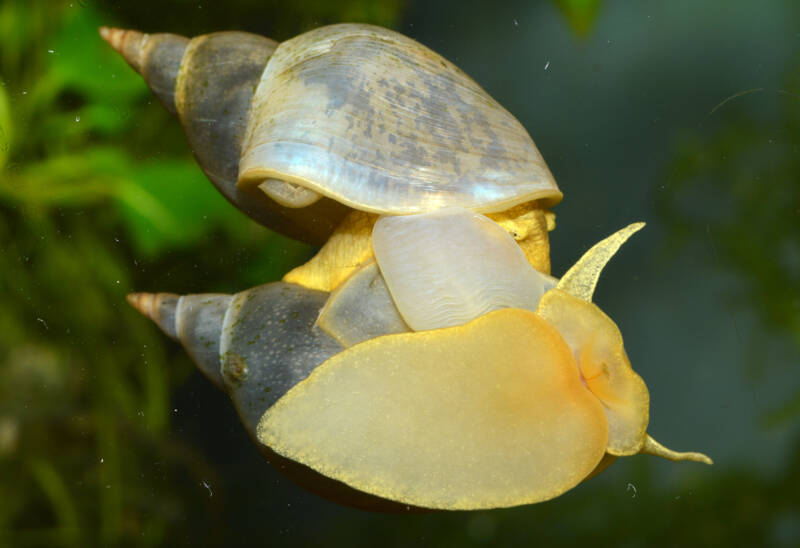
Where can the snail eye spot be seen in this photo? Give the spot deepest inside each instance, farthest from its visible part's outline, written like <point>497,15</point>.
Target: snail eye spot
<point>602,370</point>
<point>604,367</point>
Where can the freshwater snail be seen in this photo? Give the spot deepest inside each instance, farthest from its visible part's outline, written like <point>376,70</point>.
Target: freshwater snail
<point>424,357</point>
<point>344,118</point>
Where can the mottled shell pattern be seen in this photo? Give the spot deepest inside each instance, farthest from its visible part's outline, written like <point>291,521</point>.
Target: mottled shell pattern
<point>381,123</point>
<point>359,114</point>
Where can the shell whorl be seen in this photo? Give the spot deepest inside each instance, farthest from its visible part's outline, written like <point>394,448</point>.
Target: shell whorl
<point>208,82</point>
<point>193,320</point>
<point>128,43</point>
<point>157,57</point>
<point>159,307</point>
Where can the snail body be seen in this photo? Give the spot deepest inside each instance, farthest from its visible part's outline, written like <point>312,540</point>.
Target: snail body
<point>548,390</point>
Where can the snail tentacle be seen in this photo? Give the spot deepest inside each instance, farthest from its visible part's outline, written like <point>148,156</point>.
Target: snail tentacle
<point>652,447</point>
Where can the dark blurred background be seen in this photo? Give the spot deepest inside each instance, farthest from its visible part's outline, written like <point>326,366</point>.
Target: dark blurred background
<point>682,114</point>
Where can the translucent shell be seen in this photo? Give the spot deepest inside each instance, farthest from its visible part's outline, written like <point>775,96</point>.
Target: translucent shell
<point>361,309</point>
<point>455,418</point>
<point>450,266</point>
<point>379,122</point>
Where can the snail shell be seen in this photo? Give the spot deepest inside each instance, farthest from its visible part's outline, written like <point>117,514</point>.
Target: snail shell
<point>360,115</point>
<point>208,82</point>
<point>255,346</point>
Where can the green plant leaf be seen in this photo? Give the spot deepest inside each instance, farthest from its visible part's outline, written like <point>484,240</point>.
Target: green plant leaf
<point>82,62</point>
<point>171,203</point>
<point>5,127</point>
<point>581,15</point>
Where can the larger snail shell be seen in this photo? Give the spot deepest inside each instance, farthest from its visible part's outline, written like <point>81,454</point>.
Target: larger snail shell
<point>208,82</point>
<point>359,114</point>
<point>378,121</point>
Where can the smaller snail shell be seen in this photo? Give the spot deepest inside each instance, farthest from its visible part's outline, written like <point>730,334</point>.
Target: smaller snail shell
<point>269,344</point>
<point>255,345</point>
<point>198,325</point>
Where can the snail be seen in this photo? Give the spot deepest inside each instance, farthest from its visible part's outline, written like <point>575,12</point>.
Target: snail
<point>468,411</point>
<point>317,136</point>
<point>424,358</point>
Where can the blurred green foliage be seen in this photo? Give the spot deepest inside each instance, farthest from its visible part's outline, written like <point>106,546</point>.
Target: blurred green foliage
<point>580,15</point>
<point>6,135</point>
<point>748,167</point>
<point>277,19</point>
<point>99,196</point>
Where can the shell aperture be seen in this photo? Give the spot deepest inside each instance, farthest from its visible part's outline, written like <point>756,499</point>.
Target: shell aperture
<point>450,266</point>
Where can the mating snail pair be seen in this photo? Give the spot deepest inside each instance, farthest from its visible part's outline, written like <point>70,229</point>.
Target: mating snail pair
<point>424,357</point>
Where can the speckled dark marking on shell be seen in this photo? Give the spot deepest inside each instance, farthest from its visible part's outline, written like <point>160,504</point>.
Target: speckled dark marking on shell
<point>401,130</point>
<point>270,330</point>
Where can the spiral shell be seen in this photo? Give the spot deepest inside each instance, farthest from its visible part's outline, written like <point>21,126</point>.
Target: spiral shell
<point>345,115</point>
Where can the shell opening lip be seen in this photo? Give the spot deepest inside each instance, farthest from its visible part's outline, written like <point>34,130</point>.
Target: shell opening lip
<point>256,178</point>
<point>289,194</point>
